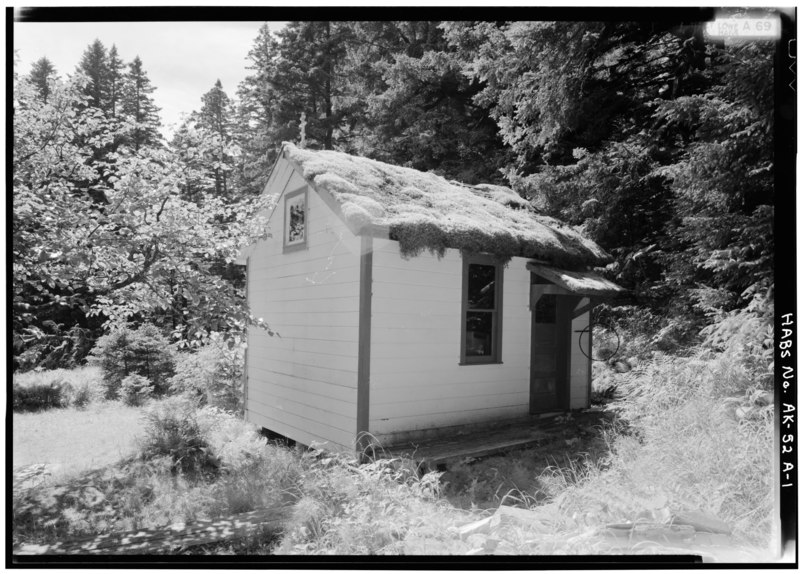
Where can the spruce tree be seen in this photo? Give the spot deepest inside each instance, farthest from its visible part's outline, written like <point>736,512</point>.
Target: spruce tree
<point>255,129</point>
<point>310,79</point>
<point>94,63</point>
<point>216,116</point>
<point>42,74</point>
<point>116,69</point>
<point>138,106</point>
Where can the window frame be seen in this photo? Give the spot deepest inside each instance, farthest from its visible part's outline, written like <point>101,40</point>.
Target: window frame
<point>299,245</point>
<point>497,313</point>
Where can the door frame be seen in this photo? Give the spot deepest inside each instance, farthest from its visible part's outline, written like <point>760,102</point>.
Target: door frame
<point>566,302</point>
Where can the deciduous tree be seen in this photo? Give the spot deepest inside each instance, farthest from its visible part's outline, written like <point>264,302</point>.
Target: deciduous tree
<point>129,258</point>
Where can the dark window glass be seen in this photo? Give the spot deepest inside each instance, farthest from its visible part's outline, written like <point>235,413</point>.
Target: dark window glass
<point>479,333</point>
<point>480,286</point>
<point>481,308</point>
<point>546,309</point>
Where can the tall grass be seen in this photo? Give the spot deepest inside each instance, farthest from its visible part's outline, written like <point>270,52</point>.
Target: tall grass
<point>682,448</point>
<point>693,432</point>
<point>63,387</point>
<point>382,507</point>
<point>154,488</point>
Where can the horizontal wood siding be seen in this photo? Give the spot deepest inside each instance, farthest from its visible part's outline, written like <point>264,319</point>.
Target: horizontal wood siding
<point>416,380</point>
<point>277,183</point>
<point>302,383</point>
<point>580,365</point>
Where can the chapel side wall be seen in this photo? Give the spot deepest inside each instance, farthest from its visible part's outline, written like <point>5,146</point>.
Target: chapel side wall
<point>303,383</point>
<point>416,382</point>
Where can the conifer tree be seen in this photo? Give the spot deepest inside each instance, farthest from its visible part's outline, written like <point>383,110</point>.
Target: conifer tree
<point>116,69</point>
<point>310,79</point>
<point>42,74</point>
<point>94,63</point>
<point>216,117</point>
<point>138,106</point>
<point>255,127</point>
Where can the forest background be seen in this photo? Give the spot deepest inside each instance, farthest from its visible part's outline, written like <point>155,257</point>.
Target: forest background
<point>655,140</point>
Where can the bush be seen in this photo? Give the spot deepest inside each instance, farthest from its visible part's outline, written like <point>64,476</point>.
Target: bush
<point>40,395</point>
<point>135,390</point>
<point>694,433</point>
<point>78,387</point>
<point>82,394</point>
<point>253,473</point>
<point>51,346</point>
<point>212,376</point>
<point>143,351</point>
<point>172,430</point>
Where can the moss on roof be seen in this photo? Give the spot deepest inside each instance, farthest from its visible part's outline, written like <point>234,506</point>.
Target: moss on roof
<point>426,211</point>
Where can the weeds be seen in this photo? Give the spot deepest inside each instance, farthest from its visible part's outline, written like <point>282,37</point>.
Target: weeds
<point>192,465</point>
<point>39,396</point>
<point>382,507</point>
<point>58,388</point>
<point>172,431</point>
<point>682,450</point>
<point>211,375</point>
<point>688,433</point>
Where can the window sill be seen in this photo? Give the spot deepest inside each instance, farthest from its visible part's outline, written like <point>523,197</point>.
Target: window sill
<point>463,364</point>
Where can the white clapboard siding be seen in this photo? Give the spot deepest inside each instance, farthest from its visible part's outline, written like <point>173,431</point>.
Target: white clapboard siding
<point>302,383</point>
<point>416,381</point>
<point>339,382</point>
<point>580,367</point>
<point>335,320</point>
<point>304,430</point>
<point>448,404</point>
<point>448,418</point>
<point>276,184</point>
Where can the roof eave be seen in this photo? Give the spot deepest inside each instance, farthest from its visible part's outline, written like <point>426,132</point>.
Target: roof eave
<point>578,282</point>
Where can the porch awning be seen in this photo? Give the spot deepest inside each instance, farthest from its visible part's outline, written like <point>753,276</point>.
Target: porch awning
<point>579,282</point>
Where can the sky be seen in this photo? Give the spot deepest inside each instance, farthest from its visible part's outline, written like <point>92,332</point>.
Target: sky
<point>182,59</point>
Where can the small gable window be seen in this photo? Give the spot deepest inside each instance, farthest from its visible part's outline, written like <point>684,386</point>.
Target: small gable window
<point>295,220</point>
<point>481,310</point>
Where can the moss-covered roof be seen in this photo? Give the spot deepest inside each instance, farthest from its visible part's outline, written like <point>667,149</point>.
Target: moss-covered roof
<point>426,211</point>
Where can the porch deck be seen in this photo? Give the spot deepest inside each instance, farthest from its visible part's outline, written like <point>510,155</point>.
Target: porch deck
<point>478,440</point>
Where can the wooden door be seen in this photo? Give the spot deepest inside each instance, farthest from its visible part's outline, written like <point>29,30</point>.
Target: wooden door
<point>550,352</point>
<point>544,363</point>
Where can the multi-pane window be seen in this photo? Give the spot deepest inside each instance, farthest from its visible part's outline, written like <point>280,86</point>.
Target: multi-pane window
<point>481,310</point>
<point>295,221</point>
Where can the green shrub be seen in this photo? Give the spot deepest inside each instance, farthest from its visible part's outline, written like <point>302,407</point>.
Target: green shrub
<point>78,387</point>
<point>211,375</point>
<point>135,390</point>
<point>39,395</point>
<point>253,473</point>
<point>52,346</point>
<point>172,430</point>
<point>82,394</point>
<point>143,351</point>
